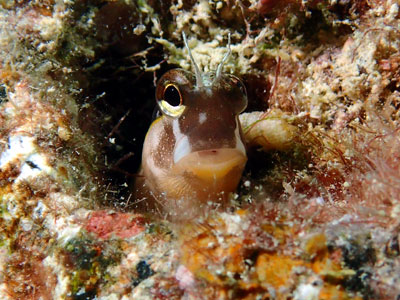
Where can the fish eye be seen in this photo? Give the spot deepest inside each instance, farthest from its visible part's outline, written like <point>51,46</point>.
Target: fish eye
<point>172,95</point>
<point>171,102</point>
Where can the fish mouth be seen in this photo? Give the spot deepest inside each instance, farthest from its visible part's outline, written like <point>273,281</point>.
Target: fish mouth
<point>212,164</point>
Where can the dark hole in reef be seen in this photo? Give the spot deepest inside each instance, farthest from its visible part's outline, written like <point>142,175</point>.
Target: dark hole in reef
<point>3,93</point>
<point>393,86</point>
<point>392,248</point>
<point>258,163</point>
<point>316,28</point>
<point>143,272</point>
<point>359,283</point>
<point>117,98</point>
<point>121,104</point>
<point>80,254</point>
<point>32,164</point>
<point>89,295</point>
<point>356,255</point>
<point>348,9</point>
<point>359,256</point>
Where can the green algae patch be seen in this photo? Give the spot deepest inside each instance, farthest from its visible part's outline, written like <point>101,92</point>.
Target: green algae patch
<point>87,262</point>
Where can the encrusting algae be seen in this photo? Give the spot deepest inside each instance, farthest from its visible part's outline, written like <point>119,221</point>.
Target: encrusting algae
<point>316,213</point>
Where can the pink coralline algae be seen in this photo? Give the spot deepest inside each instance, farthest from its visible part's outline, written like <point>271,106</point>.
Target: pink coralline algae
<point>123,225</point>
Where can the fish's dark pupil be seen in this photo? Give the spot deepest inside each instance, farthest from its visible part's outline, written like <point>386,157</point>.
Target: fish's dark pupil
<point>172,96</point>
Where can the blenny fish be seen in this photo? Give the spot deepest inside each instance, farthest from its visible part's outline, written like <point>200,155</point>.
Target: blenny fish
<point>193,154</point>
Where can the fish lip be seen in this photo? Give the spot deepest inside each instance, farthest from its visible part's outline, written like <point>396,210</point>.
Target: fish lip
<point>211,164</point>
<point>183,148</point>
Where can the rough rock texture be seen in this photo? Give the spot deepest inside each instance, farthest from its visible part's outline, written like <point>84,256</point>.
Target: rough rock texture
<point>316,215</point>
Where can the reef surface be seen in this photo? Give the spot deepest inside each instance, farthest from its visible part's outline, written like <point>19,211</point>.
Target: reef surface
<point>316,215</point>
